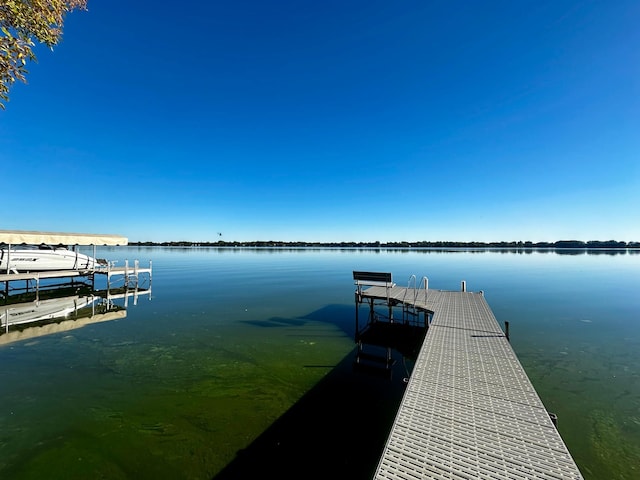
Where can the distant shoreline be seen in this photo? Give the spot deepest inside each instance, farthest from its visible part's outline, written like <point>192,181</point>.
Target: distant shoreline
<point>558,245</point>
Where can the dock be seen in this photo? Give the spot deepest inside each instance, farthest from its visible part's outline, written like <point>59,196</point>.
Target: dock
<point>109,271</point>
<point>469,410</point>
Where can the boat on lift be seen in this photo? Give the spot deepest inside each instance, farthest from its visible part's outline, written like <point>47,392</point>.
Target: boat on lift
<point>45,258</point>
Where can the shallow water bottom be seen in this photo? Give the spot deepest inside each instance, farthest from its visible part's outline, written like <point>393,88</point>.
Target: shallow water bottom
<point>211,397</point>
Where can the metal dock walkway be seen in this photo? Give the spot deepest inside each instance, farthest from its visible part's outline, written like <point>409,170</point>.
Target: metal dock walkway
<point>469,410</point>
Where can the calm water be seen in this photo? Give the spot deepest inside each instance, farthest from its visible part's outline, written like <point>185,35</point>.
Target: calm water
<point>240,363</point>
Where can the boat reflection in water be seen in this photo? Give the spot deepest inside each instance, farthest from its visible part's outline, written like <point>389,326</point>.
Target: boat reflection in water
<point>63,309</point>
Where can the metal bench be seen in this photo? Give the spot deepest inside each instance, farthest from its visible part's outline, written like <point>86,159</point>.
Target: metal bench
<point>373,279</point>
<point>379,279</point>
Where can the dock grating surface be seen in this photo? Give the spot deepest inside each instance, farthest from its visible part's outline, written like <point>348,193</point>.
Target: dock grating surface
<point>469,411</point>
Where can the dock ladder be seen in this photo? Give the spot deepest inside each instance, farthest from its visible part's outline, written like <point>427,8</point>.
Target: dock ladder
<point>410,311</point>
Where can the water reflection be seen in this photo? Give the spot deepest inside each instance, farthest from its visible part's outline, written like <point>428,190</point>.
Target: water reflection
<point>599,248</point>
<point>68,307</point>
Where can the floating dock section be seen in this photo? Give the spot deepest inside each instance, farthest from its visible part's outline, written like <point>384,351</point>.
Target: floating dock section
<point>469,410</point>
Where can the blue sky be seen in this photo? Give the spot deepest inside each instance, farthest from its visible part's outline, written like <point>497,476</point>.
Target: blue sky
<point>331,121</point>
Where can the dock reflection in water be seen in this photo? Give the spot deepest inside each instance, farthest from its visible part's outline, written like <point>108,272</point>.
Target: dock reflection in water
<point>65,308</point>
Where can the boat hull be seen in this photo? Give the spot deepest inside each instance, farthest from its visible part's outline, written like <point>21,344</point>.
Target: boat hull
<point>27,260</point>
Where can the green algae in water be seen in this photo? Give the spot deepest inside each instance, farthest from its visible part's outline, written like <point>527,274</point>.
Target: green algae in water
<point>601,370</point>
<point>178,410</point>
<point>614,448</point>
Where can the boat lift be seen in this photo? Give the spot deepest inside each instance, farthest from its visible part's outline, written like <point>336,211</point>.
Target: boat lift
<point>20,237</point>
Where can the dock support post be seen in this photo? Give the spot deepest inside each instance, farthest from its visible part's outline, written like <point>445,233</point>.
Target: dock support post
<point>506,331</point>
<point>463,286</point>
<point>357,320</point>
<point>8,261</point>
<point>371,311</point>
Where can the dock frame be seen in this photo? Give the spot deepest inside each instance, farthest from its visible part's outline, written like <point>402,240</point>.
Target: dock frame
<point>129,274</point>
<point>469,410</point>
<point>386,329</point>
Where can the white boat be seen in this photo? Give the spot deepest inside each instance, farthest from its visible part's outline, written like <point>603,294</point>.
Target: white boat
<point>45,258</point>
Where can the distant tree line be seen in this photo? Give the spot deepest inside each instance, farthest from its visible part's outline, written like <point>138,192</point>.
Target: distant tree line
<point>560,244</point>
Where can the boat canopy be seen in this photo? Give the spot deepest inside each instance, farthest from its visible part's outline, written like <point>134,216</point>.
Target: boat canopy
<point>18,237</point>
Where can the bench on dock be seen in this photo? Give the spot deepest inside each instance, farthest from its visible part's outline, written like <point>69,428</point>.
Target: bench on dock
<point>377,279</point>
<point>373,279</point>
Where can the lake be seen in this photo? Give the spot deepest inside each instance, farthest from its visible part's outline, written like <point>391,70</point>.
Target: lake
<point>239,363</point>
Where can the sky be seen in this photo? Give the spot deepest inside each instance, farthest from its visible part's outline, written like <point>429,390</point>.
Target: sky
<point>331,121</point>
